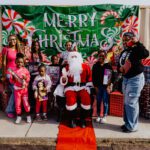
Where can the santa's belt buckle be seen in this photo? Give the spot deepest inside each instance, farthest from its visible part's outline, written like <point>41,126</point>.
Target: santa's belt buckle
<point>77,83</point>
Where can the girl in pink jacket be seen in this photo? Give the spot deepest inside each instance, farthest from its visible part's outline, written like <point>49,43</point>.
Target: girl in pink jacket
<point>20,77</point>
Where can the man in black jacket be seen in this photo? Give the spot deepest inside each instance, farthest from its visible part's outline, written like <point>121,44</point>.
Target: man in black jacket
<point>133,79</point>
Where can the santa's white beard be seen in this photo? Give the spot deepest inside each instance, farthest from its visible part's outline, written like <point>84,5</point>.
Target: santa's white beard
<point>75,69</point>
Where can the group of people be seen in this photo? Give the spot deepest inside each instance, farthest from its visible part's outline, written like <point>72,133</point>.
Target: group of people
<point>19,79</point>
<point>78,82</point>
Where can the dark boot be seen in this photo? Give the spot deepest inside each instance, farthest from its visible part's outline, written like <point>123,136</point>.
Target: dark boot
<point>72,122</point>
<point>83,123</point>
<point>59,118</point>
<point>84,115</point>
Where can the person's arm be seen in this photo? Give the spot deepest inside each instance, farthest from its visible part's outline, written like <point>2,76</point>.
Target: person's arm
<point>142,52</point>
<point>111,79</point>
<point>4,63</point>
<point>94,76</point>
<point>27,77</point>
<point>89,76</point>
<point>120,68</point>
<point>45,60</point>
<point>49,84</point>
<point>34,85</point>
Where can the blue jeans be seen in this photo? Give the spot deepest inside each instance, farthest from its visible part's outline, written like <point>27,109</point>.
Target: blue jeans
<point>132,89</point>
<point>11,103</point>
<point>102,96</point>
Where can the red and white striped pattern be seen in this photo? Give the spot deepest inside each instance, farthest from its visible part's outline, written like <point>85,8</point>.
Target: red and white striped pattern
<point>108,13</point>
<point>27,28</point>
<point>91,60</point>
<point>12,20</point>
<point>130,25</point>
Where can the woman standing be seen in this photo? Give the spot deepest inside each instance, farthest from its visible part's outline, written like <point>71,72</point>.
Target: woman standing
<point>36,58</point>
<point>8,62</point>
<point>133,79</point>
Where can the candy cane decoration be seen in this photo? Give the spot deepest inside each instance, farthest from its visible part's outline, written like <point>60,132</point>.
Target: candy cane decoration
<point>91,60</point>
<point>124,7</point>
<point>106,44</point>
<point>4,37</point>
<point>108,13</point>
<point>27,28</point>
<point>130,25</point>
<point>12,20</point>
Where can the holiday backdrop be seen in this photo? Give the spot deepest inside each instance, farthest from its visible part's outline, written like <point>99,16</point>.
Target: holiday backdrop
<point>90,27</point>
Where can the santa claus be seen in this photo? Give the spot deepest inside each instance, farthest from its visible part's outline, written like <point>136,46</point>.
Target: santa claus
<point>77,78</point>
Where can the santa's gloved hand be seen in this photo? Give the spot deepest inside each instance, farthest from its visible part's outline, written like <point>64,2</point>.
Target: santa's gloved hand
<point>89,86</point>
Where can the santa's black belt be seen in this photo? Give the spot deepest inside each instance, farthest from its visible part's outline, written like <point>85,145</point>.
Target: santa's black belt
<point>76,84</point>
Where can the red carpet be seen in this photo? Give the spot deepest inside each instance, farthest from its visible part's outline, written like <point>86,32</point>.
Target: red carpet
<point>76,138</point>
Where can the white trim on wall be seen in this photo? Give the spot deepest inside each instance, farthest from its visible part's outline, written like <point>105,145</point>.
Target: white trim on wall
<point>73,2</point>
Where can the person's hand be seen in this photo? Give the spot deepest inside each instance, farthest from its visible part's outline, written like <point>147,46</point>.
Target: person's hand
<point>109,89</point>
<point>126,66</point>
<point>45,89</point>
<point>96,90</point>
<point>3,78</point>
<point>135,39</point>
<point>23,84</point>
<point>64,79</point>
<point>75,48</point>
<point>65,62</point>
<point>24,77</point>
<point>122,70</point>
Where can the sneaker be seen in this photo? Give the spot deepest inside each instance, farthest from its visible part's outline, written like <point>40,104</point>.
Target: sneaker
<point>18,120</point>
<point>29,119</point>
<point>98,119</point>
<point>103,120</point>
<point>45,117</point>
<point>38,118</point>
<point>9,115</point>
<point>123,127</point>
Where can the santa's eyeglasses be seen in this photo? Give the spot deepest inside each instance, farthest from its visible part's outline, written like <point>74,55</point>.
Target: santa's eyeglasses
<point>73,56</point>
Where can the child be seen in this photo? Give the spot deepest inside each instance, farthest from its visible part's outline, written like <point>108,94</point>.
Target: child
<point>102,78</point>
<point>41,85</point>
<point>20,77</point>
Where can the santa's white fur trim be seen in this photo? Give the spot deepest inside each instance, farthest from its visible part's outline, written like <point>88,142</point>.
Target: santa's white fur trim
<point>86,107</point>
<point>76,88</point>
<point>64,72</point>
<point>61,82</point>
<point>71,107</point>
<point>89,84</point>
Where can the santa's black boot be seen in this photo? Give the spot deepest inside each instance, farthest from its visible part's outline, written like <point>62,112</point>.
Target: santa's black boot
<point>59,118</point>
<point>72,122</point>
<point>84,115</point>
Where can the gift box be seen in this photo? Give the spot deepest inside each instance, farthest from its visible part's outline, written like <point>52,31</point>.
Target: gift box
<point>116,104</point>
<point>145,101</point>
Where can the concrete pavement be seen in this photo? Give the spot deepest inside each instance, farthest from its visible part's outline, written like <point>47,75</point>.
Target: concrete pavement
<point>43,135</point>
<point>50,128</point>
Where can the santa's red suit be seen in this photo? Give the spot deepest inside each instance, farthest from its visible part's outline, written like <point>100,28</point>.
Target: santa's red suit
<point>74,90</point>
<point>77,78</point>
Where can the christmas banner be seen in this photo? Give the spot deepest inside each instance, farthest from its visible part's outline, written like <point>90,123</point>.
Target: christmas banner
<point>90,27</point>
